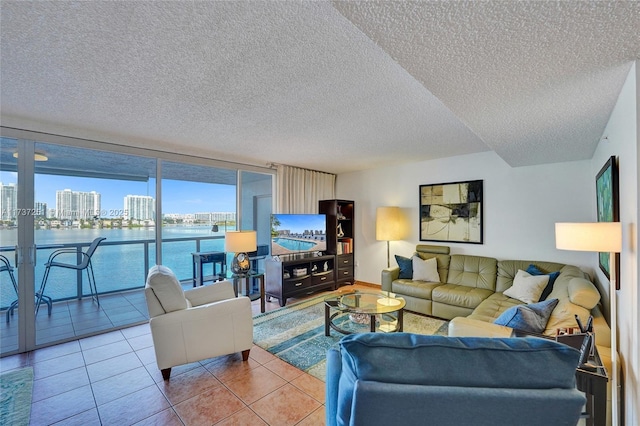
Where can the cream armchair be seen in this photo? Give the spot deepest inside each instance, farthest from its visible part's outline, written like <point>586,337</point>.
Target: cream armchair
<point>189,326</point>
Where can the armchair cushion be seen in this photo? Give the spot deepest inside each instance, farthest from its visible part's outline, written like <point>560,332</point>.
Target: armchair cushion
<point>221,290</point>
<point>166,288</point>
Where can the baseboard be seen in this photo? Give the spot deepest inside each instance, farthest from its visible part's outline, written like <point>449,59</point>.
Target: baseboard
<point>366,284</point>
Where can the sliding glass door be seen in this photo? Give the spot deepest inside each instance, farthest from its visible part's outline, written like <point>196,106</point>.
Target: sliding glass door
<point>9,274</point>
<point>57,198</point>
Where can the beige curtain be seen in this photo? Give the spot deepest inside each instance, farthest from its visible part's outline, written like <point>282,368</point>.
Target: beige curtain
<point>299,190</point>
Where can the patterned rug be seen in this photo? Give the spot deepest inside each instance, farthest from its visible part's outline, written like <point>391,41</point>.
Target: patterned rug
<point>295,333</point>
<point>15,396</point>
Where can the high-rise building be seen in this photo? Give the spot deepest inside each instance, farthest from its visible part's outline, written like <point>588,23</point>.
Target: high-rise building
<point>139,207</point>
<point>40,209</point>
<point>8,201</point>
<point>74,205</point>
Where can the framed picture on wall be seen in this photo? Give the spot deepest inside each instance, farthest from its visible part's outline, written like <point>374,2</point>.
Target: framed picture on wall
<point>451,212</point>
<point>607,202</point>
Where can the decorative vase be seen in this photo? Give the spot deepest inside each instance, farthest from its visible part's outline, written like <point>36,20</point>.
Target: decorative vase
<point>326,266</point>
<point>339,231</point>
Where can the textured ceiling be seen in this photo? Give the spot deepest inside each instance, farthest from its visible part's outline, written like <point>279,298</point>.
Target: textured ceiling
<point>333,86</point>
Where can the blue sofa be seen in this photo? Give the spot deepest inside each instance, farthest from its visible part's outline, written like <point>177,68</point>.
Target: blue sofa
<point>410,379</point>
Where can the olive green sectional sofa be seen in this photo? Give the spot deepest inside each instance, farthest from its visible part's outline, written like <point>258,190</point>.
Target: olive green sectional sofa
<point>470,294</point>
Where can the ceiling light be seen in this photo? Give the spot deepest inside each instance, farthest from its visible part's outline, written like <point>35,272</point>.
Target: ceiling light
<point>38,156</point>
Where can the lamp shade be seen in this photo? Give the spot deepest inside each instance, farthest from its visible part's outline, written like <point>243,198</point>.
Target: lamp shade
<point>388,224</point>
<point>240,241</point>
<point>595,236</point>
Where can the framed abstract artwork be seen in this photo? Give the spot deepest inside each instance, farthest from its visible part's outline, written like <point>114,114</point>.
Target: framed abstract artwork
<point>451,212</point>
<point>607,202</point>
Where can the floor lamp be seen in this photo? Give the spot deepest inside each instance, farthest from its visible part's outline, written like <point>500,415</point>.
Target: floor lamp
<point>388,227</point>
<point>599,237</point>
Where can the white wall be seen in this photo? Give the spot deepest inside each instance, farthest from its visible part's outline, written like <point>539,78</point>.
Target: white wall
<point>621,135</point>
<point>521,206</point>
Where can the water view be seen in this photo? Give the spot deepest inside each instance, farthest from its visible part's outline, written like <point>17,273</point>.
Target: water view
<point>119,262</point>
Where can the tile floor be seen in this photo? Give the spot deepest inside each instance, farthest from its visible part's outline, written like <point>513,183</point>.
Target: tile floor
<point>112,379</point>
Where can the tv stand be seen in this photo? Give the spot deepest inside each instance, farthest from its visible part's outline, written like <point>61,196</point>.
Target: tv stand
<point>299,274</point>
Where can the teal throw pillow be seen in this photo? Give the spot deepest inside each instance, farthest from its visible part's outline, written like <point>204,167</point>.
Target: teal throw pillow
<point>533,270</point>
<point>406,267</point>
<point>531,318</point>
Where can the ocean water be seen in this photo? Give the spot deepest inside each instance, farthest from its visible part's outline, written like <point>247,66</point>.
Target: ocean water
<point>116,267</point>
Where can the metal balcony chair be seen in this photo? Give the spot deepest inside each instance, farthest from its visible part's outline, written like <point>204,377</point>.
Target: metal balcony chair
<point>84,264</point>
<point>5,266</point>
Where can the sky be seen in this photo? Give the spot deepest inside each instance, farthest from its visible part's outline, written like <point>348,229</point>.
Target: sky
<point>179,197</point>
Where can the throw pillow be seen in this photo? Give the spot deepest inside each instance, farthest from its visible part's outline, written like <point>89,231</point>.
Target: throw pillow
<point>406,267</point>
<point>533,270</point>
<point>527,288</point>
<point>425,270</point>
<point>532,318</point>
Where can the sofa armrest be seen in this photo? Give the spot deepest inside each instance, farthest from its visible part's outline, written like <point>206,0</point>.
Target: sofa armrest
<point>206,294</point>
<point>388,276</point>
<point>468,327</point>
<point>332,380</point>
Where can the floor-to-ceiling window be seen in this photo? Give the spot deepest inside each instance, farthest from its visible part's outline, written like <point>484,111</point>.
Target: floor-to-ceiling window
<point>81,190</point>
<point>198,206</point>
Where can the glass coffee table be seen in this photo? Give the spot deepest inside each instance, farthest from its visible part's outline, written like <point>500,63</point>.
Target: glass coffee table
<point>360,311</point>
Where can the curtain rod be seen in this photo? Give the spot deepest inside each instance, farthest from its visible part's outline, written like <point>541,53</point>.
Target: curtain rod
<point>274,165</point>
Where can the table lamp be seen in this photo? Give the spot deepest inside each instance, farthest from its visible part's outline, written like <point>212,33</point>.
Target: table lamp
<point>388,226</point>
<point>240,242</point>
<point>599,237</point>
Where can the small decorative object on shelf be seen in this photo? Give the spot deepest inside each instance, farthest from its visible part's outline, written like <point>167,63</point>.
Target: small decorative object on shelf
<point>340,237</point>
<point>326,266</point>
<point>299,272</point>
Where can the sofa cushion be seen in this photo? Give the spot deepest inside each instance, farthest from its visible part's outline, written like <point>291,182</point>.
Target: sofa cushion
<point>419,289</point>
<point>473,271</point>
<point>493,306</point>
<point>166,288</point>
<point>583,293</point>
<point>526,287</point>
<point>466,362</point>
<point>425,270</point>
<point>563,316</point>
<point>532,318</point>
<point>533,270</point>
<point>507,270</point>
<point>406,267</point>
<point>410,359</point>
<point>459,295</point>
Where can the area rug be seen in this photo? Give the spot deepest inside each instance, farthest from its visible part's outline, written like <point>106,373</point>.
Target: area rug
<point>15,396</point>
<point>295,333</point>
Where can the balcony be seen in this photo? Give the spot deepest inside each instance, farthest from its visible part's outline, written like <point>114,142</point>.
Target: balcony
<point>120,269</point>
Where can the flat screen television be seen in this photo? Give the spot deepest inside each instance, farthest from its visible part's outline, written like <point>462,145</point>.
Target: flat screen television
<point>298,233</point>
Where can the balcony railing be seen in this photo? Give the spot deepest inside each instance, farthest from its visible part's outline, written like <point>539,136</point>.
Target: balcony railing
<point>118,265</point>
